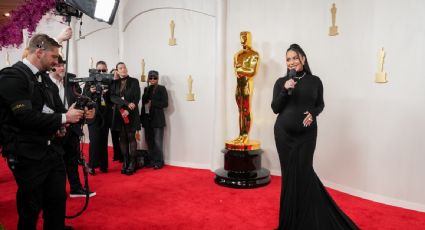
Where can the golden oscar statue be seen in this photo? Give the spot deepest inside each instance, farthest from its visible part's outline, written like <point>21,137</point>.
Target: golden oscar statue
<point>246,63</point>
<point>242,166</point>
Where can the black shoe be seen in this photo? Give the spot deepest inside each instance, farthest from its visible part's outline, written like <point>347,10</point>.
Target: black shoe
<point>92,171</point>
<point>104,170</point>
<point>131,168</point>
<point>68,228</point>
<point>158,166</point>
<point>124,168</point>
<point>80,193</point>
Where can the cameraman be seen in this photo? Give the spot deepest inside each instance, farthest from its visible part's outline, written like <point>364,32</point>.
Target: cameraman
<point>99,127</point>
<point>71,140</point>
<point>29,127</point>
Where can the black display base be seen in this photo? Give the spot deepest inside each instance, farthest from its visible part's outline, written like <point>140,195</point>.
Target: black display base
<point>242,169</point>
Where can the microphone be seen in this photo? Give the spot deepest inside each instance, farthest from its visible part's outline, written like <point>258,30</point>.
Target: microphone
<point>292,73</point>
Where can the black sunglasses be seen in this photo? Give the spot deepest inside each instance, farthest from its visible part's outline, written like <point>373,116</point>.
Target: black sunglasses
<point>153,78</point>
<point>102,70</point>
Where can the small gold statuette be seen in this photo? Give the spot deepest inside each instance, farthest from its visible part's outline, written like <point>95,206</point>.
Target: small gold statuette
<point>333,30</point>
<point>143,76</point>
<point>190,96</point>
<point>7,59</point>
<point>381,76</point>
<point>91,63</point>
<point>245,63</point>
<point>172,40</point>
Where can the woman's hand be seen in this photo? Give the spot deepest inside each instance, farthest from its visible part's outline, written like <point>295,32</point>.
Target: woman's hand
<point>131,105</point>
<point>308,119</point>
<point>289,84</point>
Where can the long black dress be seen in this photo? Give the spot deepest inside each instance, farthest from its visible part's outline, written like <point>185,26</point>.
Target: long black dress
<point>304,202</point>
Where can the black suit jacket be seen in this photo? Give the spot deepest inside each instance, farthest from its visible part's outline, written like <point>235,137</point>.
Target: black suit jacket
<point>159,100</point>
<point>131,94</point>
<point>24,97</point>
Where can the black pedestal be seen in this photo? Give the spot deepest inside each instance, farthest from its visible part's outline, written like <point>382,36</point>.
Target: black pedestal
<point>242,169</point>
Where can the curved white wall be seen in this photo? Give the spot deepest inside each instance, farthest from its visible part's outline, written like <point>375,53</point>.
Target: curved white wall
<point>189,132</point>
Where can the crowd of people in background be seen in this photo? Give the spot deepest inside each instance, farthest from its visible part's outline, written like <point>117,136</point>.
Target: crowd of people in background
<point>117,107</point>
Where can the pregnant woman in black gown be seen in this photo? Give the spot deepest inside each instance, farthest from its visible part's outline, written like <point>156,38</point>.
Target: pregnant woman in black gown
<point>304,202</point>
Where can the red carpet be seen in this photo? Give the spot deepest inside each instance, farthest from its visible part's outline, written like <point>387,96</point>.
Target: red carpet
<point>182,198</point>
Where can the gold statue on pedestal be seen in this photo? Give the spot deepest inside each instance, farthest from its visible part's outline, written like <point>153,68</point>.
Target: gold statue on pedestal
<point>246,63</point>
<point>381,76</point>
<point>333,30</point>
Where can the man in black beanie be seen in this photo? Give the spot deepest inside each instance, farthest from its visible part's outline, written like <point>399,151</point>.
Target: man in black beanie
<point>154,100</point>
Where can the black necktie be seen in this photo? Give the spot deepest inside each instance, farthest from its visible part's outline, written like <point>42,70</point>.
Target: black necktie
<point>38,76</point>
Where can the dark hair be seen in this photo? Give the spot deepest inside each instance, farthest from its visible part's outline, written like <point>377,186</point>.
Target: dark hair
<point>42,41</point>
<point>60,60</point>
<point>153,73</point>
<point>101,63</point>
<point>297,49</point>
<point>119,63</point>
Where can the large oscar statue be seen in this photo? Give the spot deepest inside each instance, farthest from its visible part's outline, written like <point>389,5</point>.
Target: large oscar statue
<point>242,156</point>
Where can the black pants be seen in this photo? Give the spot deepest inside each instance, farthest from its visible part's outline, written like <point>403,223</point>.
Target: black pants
<point>98,150</point>
<point>71,146</point>
<point>41,186</point>
<point>115,135</point>
<point>154,139</point>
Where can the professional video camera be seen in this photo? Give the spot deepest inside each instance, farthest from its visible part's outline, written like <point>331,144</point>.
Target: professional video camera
<point>95,77</point>
<point>101,81</point>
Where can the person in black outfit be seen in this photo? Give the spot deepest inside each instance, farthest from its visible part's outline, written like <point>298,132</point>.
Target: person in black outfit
<point>154,100</point>
<point>115,135</point>
<point>71,140</point>
<point>30,127</point>
<point>304,203</point>
<point>125,94</point>
<point>99,127</point>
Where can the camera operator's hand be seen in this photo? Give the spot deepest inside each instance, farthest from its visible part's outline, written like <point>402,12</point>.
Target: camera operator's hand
<point>74,115</point>
<point>89,113</point>
<point>65,35</point>
<point>93,89</point>
<point>131,105</point>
